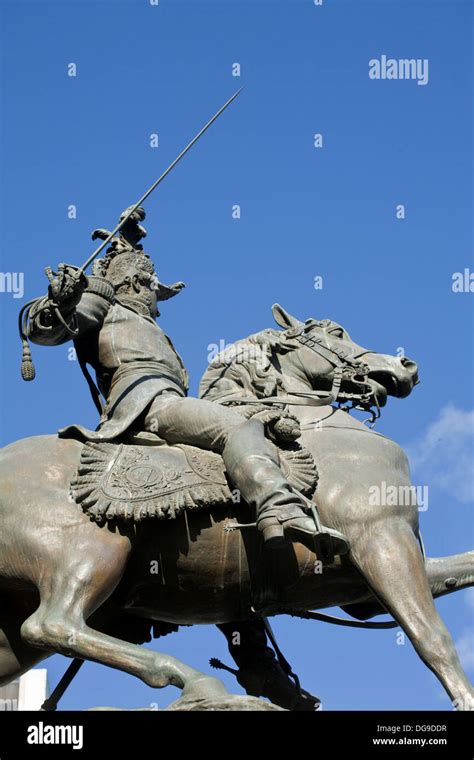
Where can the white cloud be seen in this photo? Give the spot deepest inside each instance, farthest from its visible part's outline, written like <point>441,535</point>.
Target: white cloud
<point>443,455</point>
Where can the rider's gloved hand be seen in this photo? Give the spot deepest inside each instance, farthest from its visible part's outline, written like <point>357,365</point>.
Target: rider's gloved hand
<point>66,286</point>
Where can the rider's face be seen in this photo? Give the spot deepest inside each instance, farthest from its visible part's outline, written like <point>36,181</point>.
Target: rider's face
<point>154,290</point>
<point>149,290</point>
<point>153,302</point>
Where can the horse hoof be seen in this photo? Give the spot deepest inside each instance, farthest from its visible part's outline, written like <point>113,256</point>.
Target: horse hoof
<point>204,687</point>
<point>229,703</point>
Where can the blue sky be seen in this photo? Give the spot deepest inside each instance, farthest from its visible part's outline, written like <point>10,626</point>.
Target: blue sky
<point>305,212</point>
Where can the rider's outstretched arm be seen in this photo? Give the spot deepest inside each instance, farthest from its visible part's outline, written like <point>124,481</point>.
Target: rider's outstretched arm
<point>55,320</point>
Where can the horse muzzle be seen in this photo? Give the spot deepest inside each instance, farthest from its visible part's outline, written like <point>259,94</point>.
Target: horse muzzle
<point>397,375</point>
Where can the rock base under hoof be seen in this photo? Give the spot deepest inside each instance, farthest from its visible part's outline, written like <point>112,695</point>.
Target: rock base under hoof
<point>226,703</point>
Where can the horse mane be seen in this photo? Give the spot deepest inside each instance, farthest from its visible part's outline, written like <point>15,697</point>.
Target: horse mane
<point>246,368</point>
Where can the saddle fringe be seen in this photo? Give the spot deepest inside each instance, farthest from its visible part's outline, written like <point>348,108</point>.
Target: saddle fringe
<point>171,479</point>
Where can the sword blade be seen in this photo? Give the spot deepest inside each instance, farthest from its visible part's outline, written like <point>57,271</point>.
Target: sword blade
<point>157,182</point>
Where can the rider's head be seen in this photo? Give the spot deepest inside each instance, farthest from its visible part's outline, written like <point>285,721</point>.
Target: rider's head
<point>132,274</point>
<point>126,266</point>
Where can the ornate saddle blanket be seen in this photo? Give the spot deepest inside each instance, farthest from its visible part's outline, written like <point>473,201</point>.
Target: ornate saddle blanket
<point>136,482</point>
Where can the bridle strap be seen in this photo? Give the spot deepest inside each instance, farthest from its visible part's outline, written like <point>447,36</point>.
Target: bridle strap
<point>335,356</point>
<point>306,398</point>
<point>342,361</point>
<point>343,364</point>
<point>302,398</point>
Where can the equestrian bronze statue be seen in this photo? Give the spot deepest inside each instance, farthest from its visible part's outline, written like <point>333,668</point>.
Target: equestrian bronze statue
<point>155,486</point>
<point>250,501</point>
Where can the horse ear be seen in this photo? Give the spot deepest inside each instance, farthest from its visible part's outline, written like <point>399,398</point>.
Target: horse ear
<point>283,318</point>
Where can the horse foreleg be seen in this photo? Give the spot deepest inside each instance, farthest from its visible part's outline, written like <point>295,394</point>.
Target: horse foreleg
<point>71,593</point>
<point>390,559</point>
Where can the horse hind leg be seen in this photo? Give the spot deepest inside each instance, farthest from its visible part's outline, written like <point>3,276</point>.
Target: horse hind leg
<point>71,594</point>
<point>392,564</point>
<point>16,657</point>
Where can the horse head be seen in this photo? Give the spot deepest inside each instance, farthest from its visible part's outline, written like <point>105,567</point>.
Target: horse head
<point>324,346</point>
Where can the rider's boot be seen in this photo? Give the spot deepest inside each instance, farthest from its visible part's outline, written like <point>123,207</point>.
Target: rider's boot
<point>259,671</point>
<point>281,511</point>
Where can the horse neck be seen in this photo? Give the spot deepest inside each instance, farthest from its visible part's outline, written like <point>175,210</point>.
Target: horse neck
<point>284,373</point>
<point>292,373</point>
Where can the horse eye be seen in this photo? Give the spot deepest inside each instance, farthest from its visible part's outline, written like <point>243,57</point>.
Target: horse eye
<point>337,332</point>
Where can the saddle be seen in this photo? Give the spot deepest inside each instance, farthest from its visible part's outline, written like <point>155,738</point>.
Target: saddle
<point>138,481</point>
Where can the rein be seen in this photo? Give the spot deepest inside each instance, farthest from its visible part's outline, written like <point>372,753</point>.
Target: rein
<point>322,617</point>
<point>346,367</point>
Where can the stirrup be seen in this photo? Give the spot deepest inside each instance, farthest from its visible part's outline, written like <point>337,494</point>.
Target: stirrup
<point>329,543</point>
<point>326,543</point>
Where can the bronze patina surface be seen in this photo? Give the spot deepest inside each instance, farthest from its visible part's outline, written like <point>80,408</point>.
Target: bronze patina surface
<point>250,501</point>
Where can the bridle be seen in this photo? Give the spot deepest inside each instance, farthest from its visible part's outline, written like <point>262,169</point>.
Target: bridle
<point>348,367</point>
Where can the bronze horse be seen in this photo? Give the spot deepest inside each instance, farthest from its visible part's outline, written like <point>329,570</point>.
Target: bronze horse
<point>69,586</point>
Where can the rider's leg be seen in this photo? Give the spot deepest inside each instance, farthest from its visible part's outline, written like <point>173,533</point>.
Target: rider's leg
<point>259,672</point>
<point>250,460</point>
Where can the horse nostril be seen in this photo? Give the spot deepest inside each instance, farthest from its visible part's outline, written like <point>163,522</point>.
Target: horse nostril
<point>408,364</point>
<point>411,367</point>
